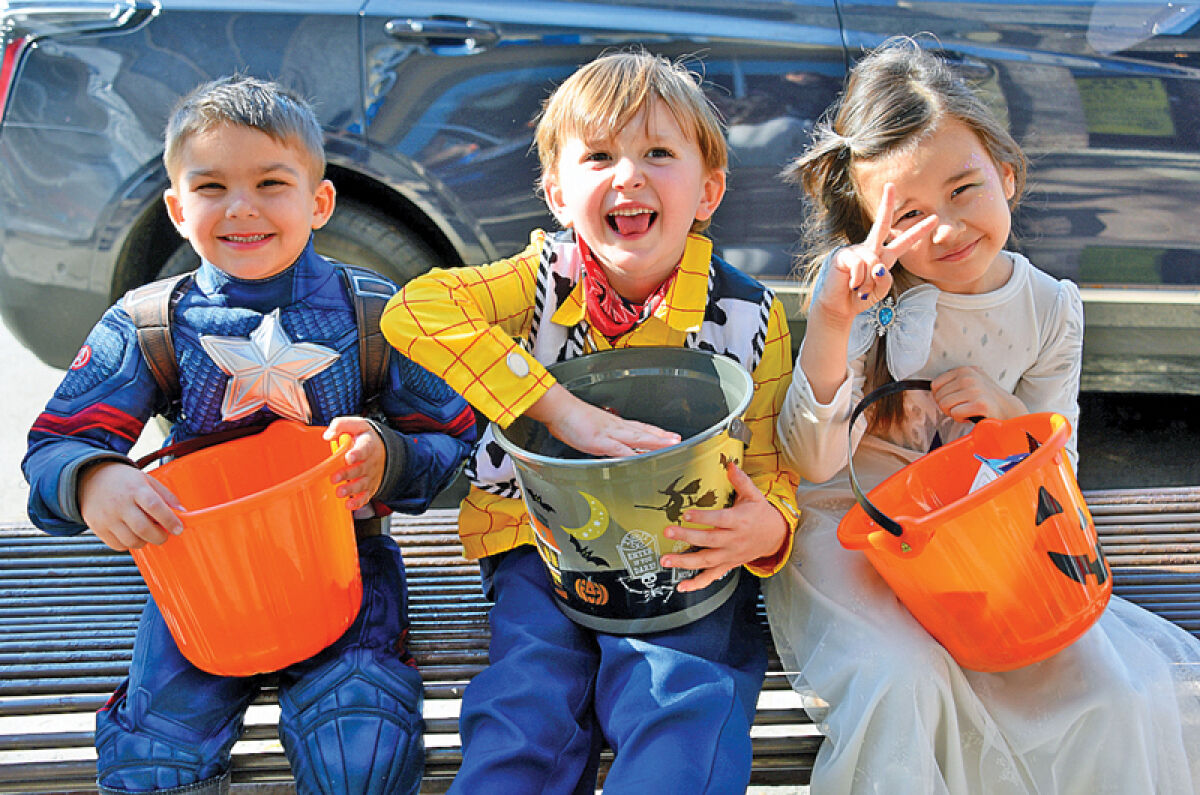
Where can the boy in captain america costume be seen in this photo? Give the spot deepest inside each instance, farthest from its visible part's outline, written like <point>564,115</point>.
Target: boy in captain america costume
<point>266,328</point>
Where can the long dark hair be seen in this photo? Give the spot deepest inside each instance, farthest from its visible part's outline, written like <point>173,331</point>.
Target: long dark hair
<point>895,97</point>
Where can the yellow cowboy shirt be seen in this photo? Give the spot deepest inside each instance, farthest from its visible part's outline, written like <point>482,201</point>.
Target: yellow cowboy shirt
<point>463,325</point>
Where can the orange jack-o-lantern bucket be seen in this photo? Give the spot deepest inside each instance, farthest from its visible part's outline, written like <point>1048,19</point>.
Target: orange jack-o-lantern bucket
<point>1003,575</point>
<point>265,573</point>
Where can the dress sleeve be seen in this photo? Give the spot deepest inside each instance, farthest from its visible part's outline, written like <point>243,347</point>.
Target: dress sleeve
<point>1052,383</point>
<point>813,435</point>
<point>463,324</point>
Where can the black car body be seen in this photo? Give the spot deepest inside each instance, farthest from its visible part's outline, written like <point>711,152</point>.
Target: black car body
<point>427,108</point>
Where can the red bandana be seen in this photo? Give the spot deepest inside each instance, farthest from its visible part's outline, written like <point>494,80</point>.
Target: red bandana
<point>607,311</point>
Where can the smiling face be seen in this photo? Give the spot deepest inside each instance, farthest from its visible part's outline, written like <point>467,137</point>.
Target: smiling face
<point>948,174</point>
<point>246,202</point>
<point>633,197</point>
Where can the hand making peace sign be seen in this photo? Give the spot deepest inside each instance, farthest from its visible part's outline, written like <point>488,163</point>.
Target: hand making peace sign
<point>860,275</point>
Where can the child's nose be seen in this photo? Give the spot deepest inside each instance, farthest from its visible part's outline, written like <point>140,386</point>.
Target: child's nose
<point>628,174</point>
<point>240,207</point>
<point>946,229</point>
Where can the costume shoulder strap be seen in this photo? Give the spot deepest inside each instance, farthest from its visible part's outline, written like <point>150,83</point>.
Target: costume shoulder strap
<point>150,307</point>
<point>369,292</point>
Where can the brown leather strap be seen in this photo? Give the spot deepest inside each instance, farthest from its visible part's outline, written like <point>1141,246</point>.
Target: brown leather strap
<point>369,293</point>
<point>150,307</point>
<point>366,528</point>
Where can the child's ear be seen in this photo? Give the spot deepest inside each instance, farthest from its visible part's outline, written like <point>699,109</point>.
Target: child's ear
<point>174,210</point>
<point>1009,178</point>
<point>323,203</point>
<point>711,193</point>
<point>554,200</point>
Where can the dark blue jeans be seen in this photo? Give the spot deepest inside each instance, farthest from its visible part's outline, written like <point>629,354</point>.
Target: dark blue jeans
<point>676,706</point>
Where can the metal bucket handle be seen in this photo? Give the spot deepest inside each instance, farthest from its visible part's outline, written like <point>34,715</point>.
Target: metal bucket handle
<point>891,388</point>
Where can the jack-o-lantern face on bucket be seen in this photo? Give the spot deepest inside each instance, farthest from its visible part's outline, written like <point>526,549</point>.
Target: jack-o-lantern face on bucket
<point>591,592</point>
<point>1076,563</point>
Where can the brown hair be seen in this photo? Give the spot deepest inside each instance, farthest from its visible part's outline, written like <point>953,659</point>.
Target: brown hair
<point>247,102</point>
<point>896,96</point>
<point>604,95</point>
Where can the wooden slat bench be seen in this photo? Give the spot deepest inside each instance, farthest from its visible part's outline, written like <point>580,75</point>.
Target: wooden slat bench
<point>69,607</point>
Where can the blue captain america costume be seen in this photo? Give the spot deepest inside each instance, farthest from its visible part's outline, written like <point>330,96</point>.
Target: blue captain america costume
<point>110,393</point>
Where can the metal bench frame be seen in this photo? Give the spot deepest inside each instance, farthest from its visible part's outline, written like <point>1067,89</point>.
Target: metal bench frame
<point>69,609</point>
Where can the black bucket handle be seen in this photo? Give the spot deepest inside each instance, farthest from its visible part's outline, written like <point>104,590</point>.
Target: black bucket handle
<point>179,449</point>
<point>891,388</point>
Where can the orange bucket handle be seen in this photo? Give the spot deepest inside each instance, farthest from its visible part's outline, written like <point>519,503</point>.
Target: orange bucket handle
<point>895,387</point>
<point>198,443</point>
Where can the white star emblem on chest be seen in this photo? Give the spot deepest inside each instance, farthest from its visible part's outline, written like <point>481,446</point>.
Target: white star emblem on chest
<point>267,369</point>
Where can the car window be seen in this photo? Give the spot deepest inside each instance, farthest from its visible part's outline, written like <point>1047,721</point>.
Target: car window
<point>466,117</point>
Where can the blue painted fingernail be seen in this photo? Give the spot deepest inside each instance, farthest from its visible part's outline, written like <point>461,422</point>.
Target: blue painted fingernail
<point>879,271</point>
<point>864,296</point>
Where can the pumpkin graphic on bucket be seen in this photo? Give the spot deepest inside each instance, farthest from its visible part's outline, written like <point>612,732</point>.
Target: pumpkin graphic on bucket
<point>598,522</point>
<point>1004,575</point>
<point>265,573</point>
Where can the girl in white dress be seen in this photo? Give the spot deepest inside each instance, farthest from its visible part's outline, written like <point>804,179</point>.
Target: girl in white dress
<point>912,182</point>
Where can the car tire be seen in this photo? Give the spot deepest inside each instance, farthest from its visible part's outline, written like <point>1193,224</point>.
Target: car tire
<point>356,234</point>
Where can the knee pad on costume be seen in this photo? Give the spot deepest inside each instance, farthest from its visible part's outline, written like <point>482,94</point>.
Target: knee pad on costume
<point>355,728</point>
<point>154,754</point>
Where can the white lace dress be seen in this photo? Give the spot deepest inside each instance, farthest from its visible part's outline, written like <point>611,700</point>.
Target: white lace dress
<point>1116,712</point>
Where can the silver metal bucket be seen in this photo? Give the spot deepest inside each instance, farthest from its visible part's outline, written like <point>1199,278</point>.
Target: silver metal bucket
<point>599,521</point>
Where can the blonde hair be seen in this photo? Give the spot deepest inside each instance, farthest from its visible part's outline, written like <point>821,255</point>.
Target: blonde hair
<point>246,102</point>
<point>603,96</point>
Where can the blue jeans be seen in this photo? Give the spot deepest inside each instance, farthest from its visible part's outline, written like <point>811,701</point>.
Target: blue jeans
<point>675,706</point>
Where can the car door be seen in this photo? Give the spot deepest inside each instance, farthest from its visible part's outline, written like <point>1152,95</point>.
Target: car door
<point>1104,97</point>
<point>452,89</point>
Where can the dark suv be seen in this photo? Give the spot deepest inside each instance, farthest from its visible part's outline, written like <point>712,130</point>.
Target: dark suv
<point>427,108</point>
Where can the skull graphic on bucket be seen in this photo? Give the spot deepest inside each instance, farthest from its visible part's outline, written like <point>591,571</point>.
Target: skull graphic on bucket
<point>599,522</point>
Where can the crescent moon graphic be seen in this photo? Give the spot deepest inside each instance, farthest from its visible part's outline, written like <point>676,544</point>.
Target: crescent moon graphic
<point>596,523</point>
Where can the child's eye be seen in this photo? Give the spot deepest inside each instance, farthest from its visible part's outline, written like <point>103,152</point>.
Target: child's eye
<point>596,157</point>
<point>659,152</point>
<point>208,187</point>
<point>911,215</point>
<point>962,188</point>
<point>272,183</point>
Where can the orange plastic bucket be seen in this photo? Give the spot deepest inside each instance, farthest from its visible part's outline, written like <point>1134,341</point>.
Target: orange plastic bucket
<point>1003,576</point>
<point>265,573</point>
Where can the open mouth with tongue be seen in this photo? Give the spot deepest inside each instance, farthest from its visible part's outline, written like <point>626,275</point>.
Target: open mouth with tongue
<point>631,222</point>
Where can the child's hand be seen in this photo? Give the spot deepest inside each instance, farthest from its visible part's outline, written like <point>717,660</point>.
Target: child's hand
<point>751,529</point>
<point>594,430</point>
<point>968,393</point>
<point>860,275</point>
<point>365,460</point>
<point>125,507</point>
